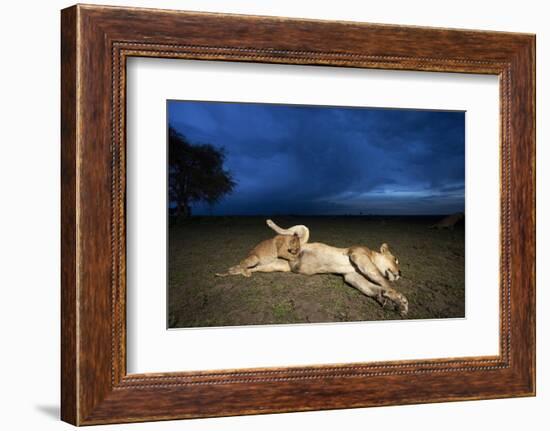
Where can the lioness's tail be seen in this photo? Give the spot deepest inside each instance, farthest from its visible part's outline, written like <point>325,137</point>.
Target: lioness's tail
<point>300,230</point>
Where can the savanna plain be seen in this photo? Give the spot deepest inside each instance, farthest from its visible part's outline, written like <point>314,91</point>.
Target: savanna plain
<point>431,260</point>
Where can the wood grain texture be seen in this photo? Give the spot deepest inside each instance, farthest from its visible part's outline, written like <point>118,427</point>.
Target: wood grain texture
<point>96,41</point>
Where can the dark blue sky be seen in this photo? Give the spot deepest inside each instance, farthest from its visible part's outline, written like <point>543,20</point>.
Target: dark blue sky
<point>316,160</point>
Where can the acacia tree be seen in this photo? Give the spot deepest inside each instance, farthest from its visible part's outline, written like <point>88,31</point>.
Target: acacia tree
<point>196,173</point>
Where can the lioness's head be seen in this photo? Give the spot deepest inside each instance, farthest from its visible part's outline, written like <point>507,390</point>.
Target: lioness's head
<point>387,263</point>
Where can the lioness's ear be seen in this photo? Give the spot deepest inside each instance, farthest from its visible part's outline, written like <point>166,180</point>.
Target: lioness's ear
<point>384,248</point>
<point>295,235</point>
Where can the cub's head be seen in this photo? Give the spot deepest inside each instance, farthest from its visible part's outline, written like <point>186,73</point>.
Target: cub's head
<point>288,246</point>
<point>387,263</point>
<point>293,244</point>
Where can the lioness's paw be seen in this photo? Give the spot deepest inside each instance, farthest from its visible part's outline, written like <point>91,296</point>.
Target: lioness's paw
<point>402,305</point>
<point>399,301</point>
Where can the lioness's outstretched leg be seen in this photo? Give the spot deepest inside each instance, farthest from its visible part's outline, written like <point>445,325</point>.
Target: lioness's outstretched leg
<point>364,285</point>
<point>381,294</point>
<point>300,230</point>
<point>279,265</point>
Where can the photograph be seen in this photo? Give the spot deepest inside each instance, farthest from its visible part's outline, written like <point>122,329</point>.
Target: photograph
<point>297,214</point>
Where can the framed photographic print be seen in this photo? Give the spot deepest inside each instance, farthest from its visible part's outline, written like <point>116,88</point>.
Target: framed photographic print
<point>264,214</point>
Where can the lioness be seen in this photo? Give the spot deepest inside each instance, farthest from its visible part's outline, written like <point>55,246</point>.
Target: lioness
<point>274,253</point>
<point>365,269</point>
<point>448,222</point>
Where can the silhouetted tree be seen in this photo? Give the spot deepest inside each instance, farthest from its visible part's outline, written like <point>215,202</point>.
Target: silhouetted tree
<point>196,173</point>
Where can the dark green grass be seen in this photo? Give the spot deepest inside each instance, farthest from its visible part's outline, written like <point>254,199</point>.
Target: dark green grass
<point>432,263</point>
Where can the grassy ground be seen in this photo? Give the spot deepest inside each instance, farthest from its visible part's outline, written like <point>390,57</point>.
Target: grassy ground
<point>432,263</point>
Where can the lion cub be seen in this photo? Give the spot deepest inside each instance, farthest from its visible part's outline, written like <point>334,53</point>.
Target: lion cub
<point>265,254</point>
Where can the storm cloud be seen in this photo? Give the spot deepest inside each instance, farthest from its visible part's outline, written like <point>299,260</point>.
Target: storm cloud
<point>317,160</point>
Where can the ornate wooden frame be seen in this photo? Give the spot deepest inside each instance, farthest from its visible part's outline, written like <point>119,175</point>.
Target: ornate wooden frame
<point>95,43</point>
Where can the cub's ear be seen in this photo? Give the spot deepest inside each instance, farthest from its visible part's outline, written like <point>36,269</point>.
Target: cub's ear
<point>384,248</point>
